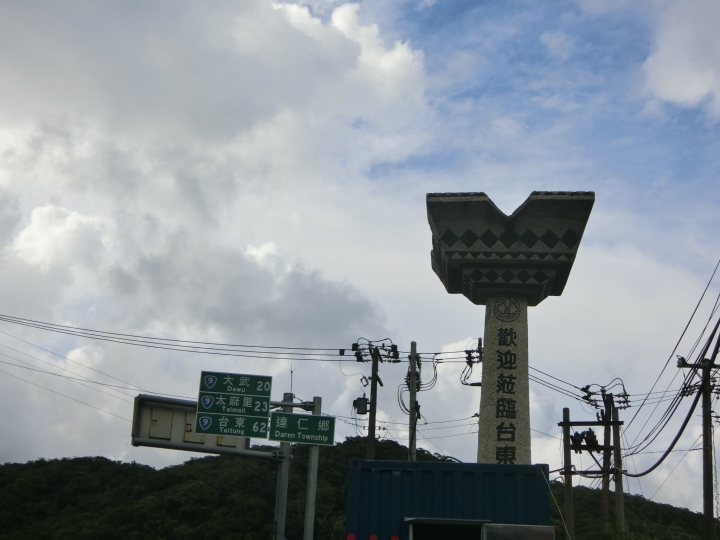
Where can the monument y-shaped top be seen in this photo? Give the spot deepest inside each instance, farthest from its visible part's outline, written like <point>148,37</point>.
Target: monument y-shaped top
<point>506,263</point>
<point>482,253</point>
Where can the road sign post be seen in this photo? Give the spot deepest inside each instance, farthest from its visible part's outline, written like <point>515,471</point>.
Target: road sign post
<point>313,458</point>
<point>282,479</point>
<point>303,429</point>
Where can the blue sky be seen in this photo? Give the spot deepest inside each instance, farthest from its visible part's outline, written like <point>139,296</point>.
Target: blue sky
<point>560,71</point>
<point>256,172</point>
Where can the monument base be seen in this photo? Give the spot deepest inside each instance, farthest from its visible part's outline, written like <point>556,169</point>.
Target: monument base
<point>504,434</point>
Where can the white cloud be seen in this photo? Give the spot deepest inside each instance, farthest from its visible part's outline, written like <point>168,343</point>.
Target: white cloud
<point>56,234</point>
<point>206,74</point>
<point>558,44</point>
<point>266,255</point>
<point>684,66</point>
<point>394,72</point>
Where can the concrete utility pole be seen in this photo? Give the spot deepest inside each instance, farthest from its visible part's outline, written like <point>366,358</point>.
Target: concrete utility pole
<point>608,402</point>
<point>706,365</point>
<point>373,403</point>
<point>567,473</point>
<point>619,501</point>
<point>708,513</point>
<point>283,478</point>
<point>313,457</point>
<point>412,384</point>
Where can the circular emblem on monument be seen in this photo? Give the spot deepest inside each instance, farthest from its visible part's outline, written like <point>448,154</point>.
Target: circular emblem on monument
<point>507,308</point>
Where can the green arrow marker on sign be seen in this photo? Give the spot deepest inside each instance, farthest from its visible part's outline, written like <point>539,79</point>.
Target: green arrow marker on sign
<point>302,428</point>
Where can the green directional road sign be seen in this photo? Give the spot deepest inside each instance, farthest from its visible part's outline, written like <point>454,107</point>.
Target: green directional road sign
<point>302,428</point>
<point>231,425</point>
<point>235,383</point>
<point>233,404</point>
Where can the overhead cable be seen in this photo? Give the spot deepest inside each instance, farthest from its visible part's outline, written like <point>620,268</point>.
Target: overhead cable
<point>705,380</point>
<point>68,397</point>
<point>199,347</point>
<point>697,306</point>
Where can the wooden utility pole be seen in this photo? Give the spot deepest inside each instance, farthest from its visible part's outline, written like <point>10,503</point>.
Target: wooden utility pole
<point>567,472</point>
<point>619,501</point>
<point>375,353</point>
<point>412,385</point>
<point>608,402</point>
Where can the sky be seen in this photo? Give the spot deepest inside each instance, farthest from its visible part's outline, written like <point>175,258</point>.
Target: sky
<point>255,173</point>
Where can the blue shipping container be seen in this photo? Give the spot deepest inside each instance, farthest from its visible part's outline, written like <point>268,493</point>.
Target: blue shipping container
<point>441,499</point>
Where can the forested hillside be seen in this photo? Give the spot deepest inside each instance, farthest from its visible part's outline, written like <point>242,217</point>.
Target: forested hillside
<point>233,498</point>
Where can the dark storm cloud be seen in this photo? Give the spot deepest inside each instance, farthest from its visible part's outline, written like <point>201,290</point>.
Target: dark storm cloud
<point>191,284</point>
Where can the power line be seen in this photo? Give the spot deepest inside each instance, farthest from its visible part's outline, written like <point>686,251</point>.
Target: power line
<point>68,397</point>
<point>118,335</point>
<point>672,408</point>
<point>697,306</point>
<point>71,379</point>
<point>64,358</point>
<point>663,451</point>
<point>706,375</point>
<point>428,440</point>
<point>553,436</point>
<point>470,424</point>
<point>555,388</point>
<point>659,427</point>
<point>623,435</point>
<point>74,379</point>
<point>676,466</point>
<point>261,355</point>
<point>692,448</point>
<point>405,423</point>
<point>559,380</point>
<point>79,377</point>
<point>446,436</point>
<point>664,420</point>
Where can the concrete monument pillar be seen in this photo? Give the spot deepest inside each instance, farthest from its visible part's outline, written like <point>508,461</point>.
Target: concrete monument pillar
<point>506,263</point>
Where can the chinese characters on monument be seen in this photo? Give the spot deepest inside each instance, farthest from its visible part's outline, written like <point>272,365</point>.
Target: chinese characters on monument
<point>505,422</point>
<point>505,387</point>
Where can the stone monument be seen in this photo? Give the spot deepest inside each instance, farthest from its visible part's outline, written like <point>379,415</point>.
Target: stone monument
<point>506,263</point>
